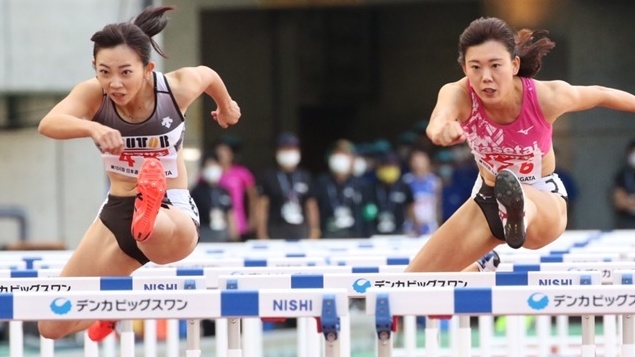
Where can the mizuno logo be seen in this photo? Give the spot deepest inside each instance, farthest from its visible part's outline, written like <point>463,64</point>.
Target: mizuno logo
<point>525,131</point>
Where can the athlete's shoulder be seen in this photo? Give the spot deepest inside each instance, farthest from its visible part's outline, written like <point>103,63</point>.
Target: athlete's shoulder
<point>551,87</point>
<point>89,88</point>
<point>83,101</point>
<point>184,74</point>
<point>458,87</point>
<point>555,97</point>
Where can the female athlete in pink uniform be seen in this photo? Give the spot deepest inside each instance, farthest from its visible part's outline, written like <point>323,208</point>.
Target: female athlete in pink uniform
<point>506,117</point>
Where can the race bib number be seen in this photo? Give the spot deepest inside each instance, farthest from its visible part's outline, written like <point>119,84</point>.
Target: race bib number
<point>528,168</point>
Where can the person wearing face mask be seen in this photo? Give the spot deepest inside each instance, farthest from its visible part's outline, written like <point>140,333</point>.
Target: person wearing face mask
<point>287,208</point>
<point>624,191</point>
<point>392,196</point>
<point>215,204</point>
<point>343,199</point>
<point>427,188</point>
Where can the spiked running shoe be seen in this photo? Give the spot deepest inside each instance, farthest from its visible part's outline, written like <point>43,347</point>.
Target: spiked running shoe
<point>489,262</point>
<point>151,187</point>
<point>511,206</point>
<point>99,330</point>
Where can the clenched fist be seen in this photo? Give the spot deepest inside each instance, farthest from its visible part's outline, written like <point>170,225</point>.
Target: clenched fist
<point>227,116</point>
<point>447,134</point>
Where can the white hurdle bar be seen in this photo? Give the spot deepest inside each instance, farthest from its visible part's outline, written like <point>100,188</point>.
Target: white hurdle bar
<point>396,247</point>
<point>328,304</point>
<point>606,268</point>
<point>358,284</point>
<point>503,300</point>
<point>376,258</point>
<point>623,277</point>
<point>569,241</point>
<point>210,276</point>
<point>65,285</point>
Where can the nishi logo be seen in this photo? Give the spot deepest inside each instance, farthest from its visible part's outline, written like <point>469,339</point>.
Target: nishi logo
<point>538,301</point>
<point>361,285</point>
<point>61,306</point>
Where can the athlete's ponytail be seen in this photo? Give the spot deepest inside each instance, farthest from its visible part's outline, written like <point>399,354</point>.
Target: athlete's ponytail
<point>136,34</point>
<point>151,21</point>
<point>531,47</point>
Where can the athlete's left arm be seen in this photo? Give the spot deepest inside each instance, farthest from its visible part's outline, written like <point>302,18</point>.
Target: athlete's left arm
<point>559,97</point>
<point>189,83</point>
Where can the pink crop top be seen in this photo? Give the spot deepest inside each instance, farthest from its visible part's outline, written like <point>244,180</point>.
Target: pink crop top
<point>518,146</point>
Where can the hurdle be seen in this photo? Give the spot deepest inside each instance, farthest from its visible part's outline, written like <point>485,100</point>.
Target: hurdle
<point>201,262</point>
<point>502,300</point>
<point>67,284</point>
<point>624,277</point>
<point>210,280</point>
<point>357,284</point>
<point>367,260</point>
<point>256,253</point>
<point>253,327</point>
<point>606,268</point>
<point>327,304</point>
<point>253,252</point>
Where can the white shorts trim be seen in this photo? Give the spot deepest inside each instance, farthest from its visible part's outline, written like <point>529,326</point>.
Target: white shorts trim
<point>181,199</point>
<point>550,183</point>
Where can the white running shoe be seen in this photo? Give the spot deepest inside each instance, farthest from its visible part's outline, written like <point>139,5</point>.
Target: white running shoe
<point>489,262</point>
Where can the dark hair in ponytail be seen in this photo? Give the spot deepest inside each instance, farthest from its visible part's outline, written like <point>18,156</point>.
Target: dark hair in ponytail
<point>530,46</point>
<point>136,34</point>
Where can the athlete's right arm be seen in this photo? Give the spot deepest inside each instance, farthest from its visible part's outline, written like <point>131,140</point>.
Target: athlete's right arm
<point>453,106</point>
<point>72,118</point>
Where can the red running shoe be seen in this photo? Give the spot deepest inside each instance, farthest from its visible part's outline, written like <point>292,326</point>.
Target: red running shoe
<point>101,329</point>
<point>151,187</point>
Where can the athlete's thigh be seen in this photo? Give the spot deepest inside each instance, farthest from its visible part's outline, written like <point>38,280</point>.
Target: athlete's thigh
<point>550,218</point>
<point>175,237</point>
<point>98,254</point>
<point>460,241</point>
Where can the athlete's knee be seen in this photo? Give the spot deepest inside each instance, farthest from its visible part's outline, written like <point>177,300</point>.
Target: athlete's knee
<point>51,330</point>
<point>537,241</point>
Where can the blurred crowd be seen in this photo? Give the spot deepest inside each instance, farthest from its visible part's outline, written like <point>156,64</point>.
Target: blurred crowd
<point>406,187</point>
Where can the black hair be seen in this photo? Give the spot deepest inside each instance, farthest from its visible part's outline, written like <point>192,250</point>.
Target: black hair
<point>136,34</point>
<point>530,46</point>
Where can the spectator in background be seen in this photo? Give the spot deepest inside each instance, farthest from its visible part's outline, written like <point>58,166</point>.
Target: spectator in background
<point>214,203</point>
<point>364,162</point>
<point>406,142</point>
<point>465,170</point>
<point>343,200</point>
<point>452,197</point>
<point>366,159</point>
<point>424,141</point>
<point>458,172</point>
<point>624,191</point>
<point>572,189</point>
<point>392,196</point>
<point>287,208</point>
<point>240,183</point>
<point>426,188</point>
